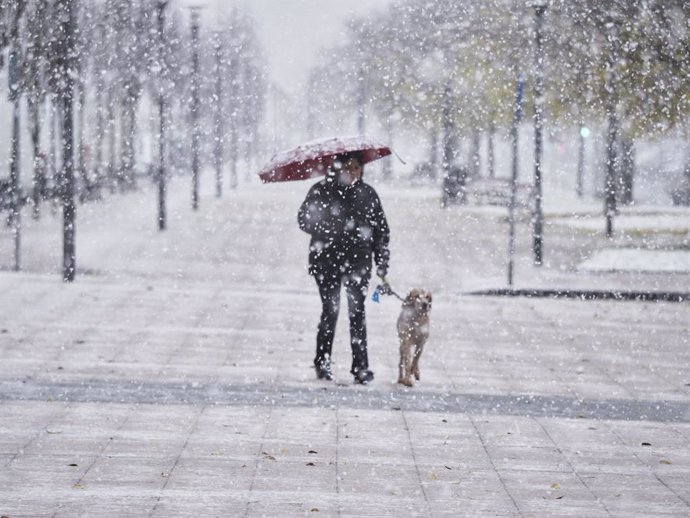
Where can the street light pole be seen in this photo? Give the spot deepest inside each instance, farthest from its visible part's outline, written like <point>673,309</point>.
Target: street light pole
<point>519,91</point>
<point>195,106</point>
<point>580,163</point>
<point>538,216</point>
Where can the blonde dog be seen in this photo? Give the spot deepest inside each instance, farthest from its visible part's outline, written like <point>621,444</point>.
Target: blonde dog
<point>413,331</point>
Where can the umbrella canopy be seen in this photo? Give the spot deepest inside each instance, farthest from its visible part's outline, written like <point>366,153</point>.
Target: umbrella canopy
<point>314,158</point>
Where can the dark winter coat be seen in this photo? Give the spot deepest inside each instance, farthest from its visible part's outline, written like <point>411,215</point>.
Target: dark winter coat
<point>347,226</point>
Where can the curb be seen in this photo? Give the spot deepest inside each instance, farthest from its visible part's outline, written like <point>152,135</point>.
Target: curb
<point>639,296</point>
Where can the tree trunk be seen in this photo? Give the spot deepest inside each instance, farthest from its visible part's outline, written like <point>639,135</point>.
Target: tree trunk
<point>579,179</point>
<point>361,103</point>
<point>475,160</point>
<point>15,182</point>
<point>55,138</point>
<point>626,177</point>
<point>233,111</point>
<point>218,120</point>
<point>250,150</point>
<point>387,164</point>
<point>612,163</point>
<point>491,152</point>
<point>112,151</point>
<point>67,177</point>
<point>612,135</point>
<point>84,192</point>
<point>194,108</point>
<point>448,134</point>
<point>233,153</point>
<point>127,125</point>
<point>38,184</point>
<point>433,150</point>
<point>100,134</point>
<point>132,154</point>
<point>246,152</point>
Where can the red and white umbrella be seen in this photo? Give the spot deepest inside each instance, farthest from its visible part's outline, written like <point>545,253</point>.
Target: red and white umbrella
<point>313,159</point>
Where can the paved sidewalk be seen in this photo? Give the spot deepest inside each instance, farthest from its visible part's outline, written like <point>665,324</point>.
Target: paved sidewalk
<point>173,378</point>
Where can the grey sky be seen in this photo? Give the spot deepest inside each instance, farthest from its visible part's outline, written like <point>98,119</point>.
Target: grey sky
<point>293,31</point>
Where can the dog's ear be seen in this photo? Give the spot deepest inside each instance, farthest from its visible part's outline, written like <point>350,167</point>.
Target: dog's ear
<point>410,297</point>
<point>428,294</point>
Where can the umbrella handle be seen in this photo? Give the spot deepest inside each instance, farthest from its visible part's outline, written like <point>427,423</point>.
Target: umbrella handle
<point>398,156</point>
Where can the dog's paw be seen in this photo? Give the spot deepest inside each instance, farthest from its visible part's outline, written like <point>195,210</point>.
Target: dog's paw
<point>406,381</point>
<point>415,373</point>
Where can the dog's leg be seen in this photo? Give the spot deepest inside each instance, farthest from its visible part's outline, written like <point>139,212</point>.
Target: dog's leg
<point>404,377</point>
<point>415,360</point>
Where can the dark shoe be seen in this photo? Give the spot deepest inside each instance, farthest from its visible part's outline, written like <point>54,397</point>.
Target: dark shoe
<point>364,376</point>
<point>323,371</point>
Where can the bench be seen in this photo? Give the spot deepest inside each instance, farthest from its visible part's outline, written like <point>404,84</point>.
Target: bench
<point>496,191</point>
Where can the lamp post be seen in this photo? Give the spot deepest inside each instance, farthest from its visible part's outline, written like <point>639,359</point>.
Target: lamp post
<point>538,215</point>
<point>519,94</point>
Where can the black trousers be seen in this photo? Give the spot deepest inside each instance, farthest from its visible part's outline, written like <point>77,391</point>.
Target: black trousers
<point>329,284</point>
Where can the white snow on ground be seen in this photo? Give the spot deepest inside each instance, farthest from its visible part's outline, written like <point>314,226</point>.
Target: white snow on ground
<point>631,222</point>
<point>632,259</point>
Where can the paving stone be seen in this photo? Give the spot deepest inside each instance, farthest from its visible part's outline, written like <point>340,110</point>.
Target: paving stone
<point>178,377</point>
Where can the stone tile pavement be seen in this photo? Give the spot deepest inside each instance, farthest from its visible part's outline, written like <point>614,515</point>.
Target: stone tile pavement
<point>173,378</point>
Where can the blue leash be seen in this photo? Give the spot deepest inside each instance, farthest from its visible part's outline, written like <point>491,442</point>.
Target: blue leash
<point>384,289</point>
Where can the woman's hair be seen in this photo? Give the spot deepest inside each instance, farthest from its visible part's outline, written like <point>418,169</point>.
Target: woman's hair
<point>340,159</point>
<point>356,155</point>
